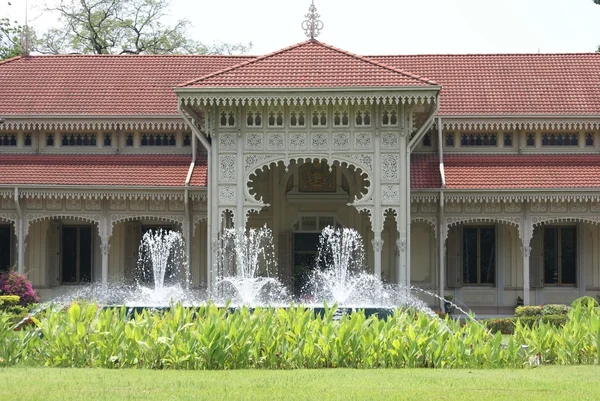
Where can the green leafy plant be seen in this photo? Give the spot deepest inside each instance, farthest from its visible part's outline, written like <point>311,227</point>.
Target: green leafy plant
<point>522,311</point>
<point>555,309</point>
<point>584,301</point>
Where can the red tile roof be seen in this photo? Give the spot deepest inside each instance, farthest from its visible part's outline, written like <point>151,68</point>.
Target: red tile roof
<point>424,171</point>
<point>107,85</point>
<point>493,84</point>
<point>510,84</point>
<point>100,170</point>
<point>309,64</point>
<point>508,171</point>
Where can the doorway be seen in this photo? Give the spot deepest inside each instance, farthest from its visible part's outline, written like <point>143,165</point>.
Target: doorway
<point>5,247</point>
<point>306,250</point>
<point>76,260</point>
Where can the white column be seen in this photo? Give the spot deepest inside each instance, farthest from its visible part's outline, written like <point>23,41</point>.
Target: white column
<point>403,223</point>
<point>526,235</point>
<point>442,234</point>
<point>240,217</point>
<point>377,243</point>
<point>187,227</point>
<point>21,231</point>
<point>213,205</point>
<point>105,249</point>
<point>377,218</point>
<point>105,229</point>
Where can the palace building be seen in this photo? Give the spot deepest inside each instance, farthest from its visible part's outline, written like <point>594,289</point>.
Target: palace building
<point>471,175</point>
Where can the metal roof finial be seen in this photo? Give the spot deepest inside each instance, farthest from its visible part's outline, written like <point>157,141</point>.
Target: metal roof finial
<point>312,25</point>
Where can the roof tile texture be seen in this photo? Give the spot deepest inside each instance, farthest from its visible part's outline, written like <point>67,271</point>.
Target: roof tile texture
<point>510,84</point>
<point>94,85</point>
<point>310,64</point>
<point>484,85</point>
<point>100,170</point>
<point>511,172</point>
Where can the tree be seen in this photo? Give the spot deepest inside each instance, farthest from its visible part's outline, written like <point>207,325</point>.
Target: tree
<point>10,38</point>
<point>121,27</point>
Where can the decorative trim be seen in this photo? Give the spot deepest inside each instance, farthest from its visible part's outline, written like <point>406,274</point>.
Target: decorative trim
<point>425,197</point>
<point>90,218</point>
<point>521,124</point>
<point>176,124</point>
<point>430,220</point>
<point>8,217</point>
<point>454,221</point>
<point>522,197</point>
<point>193,97</point>
<point>119,218</point>
<point>538,220</point>
<point>108,194</point>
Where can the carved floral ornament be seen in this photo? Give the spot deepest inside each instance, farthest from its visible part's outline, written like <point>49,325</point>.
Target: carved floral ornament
<point>361,162</point>
<point>92,125</point>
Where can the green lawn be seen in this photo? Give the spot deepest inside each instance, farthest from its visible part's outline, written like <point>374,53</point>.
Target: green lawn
<point>543,383</point>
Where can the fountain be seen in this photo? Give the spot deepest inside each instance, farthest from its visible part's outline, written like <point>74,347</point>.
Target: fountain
<point>249,253</point>
<point>246,265</point>
<point>340,278</point>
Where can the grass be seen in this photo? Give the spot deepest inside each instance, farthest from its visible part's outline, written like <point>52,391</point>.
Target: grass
<point>544,383</point>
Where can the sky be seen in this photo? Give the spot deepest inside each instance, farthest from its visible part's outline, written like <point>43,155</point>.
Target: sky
<point>376,27</point>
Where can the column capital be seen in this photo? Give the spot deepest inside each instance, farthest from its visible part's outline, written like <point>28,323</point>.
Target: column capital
<point>377,244</point>
<point>526,249</point>
<point>105,245</point>
<point>401,244</point>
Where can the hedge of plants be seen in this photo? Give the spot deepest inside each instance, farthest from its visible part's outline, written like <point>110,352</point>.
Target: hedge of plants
<point>86,335</point>
<point>553,314</point>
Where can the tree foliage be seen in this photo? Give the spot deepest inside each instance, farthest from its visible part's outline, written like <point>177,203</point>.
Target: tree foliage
<point>122,27</point>
<point>10,38</point>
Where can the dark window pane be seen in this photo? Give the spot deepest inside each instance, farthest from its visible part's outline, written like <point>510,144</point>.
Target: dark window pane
<point>487,252</point>
<point>568,248</point>
<point>4,248</point>
<point>306,242</point>
<point>470,255</point>
<point>85,254</point>
<point>551,255</point>
<point>69,255</point>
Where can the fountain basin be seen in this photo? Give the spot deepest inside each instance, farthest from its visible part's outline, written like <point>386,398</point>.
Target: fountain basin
<point>379,312</point>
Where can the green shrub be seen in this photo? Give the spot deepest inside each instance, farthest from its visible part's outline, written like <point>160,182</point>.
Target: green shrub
<point>505,325</point>
<point>523,311</point>
<point>584,301</point>
<point>532,321</point>
<point>555,309</point>
<point>9,300</point>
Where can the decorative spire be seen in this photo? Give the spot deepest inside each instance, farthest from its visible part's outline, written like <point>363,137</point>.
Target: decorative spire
<point>312,25</point>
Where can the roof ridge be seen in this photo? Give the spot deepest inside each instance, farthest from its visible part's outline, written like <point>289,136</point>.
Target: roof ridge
<point>228,69</point>
<point>79,55</point>
<point>8,60</point>
<point>286,49</point>
<point>481,54</point>
<point>378,64</point>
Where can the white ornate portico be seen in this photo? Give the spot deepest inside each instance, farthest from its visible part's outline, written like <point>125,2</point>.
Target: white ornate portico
<point>370,130</point>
